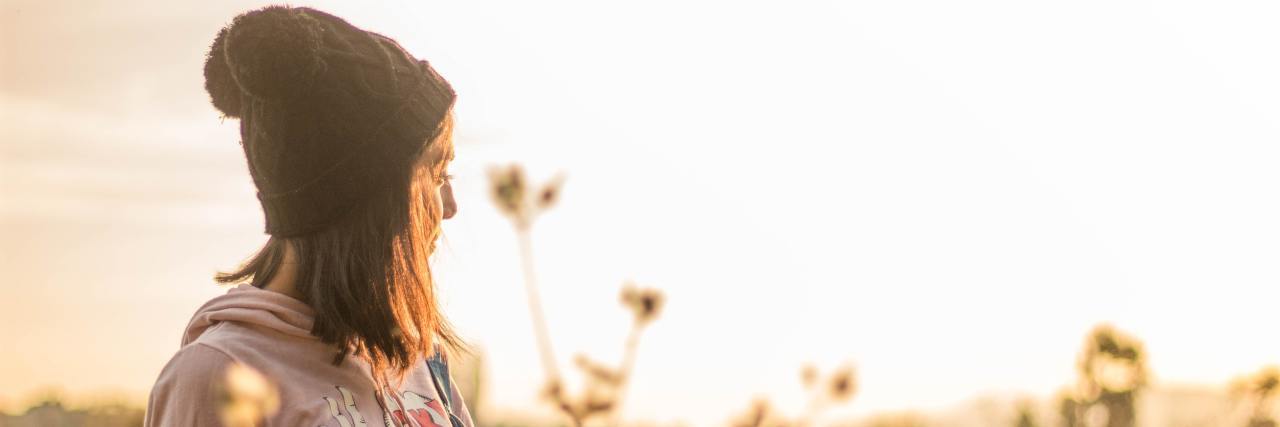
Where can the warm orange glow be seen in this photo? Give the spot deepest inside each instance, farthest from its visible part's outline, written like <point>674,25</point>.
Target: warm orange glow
<point>949,194</point>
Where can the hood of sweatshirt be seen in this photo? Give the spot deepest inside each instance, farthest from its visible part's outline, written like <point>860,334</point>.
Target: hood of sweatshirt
<point>248,305</point>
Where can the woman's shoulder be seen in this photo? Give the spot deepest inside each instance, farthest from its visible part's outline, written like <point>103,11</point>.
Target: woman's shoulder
<point>184,393</point>
<point>192,370</point>
<point>197,359</point>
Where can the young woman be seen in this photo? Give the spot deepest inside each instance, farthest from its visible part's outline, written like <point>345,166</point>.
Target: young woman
<point>348,139</point>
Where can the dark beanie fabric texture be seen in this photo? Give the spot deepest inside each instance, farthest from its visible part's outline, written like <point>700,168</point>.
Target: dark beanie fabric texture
<point>329,113</point>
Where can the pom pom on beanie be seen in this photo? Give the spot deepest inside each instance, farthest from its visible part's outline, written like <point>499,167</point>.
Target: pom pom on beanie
<point>222,88</point>
<point>270,54</point>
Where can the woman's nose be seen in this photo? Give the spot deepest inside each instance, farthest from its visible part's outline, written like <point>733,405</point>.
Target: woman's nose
<point>450,205</point>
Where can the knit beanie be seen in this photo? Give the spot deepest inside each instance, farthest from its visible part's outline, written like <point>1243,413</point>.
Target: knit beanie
<point>329,113</point>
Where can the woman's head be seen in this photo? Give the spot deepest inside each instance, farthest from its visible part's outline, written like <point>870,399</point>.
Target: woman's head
<point>348,140</point>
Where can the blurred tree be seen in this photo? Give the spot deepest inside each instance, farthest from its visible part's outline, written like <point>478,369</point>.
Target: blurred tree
<point>1112,371</point>
<point>1260,392</point>
<point>50,411</point>
<point>1026,415</point>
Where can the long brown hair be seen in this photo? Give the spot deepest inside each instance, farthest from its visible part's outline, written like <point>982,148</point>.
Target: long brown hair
<point>367,277</point>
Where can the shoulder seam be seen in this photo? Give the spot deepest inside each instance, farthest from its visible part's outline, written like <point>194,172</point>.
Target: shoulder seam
<point>220,351</point>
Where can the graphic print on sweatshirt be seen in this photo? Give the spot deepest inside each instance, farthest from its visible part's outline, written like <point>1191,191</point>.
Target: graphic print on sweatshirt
<point>408,409</point>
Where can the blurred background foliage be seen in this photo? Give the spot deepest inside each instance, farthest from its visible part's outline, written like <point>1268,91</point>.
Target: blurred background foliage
<point>1114,386</point>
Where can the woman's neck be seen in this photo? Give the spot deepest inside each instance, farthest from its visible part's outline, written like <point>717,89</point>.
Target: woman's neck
<point>286,276</point>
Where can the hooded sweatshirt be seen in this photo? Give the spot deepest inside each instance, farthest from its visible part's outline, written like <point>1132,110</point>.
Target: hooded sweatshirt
<point>270,333</point>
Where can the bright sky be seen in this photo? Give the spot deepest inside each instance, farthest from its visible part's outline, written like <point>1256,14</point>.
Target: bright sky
<point>948,194</point>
